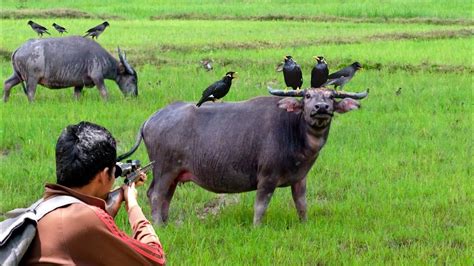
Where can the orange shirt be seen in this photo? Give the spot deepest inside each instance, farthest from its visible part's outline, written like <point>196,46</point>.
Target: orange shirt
<point>85,234</point>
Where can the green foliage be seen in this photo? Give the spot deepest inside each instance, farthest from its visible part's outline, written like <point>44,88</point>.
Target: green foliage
<point>393,185</point>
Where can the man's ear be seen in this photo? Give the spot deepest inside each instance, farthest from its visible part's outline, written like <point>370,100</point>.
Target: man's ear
<point>346,105</point>
<point>291,105</point>
<point>104,176</point>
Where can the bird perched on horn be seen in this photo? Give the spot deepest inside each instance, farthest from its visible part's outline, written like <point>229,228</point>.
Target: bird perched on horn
<point>341,77</point>
<point>38,28</point>
<point>320,72</point>
<point>218,89</point>
<point>97,30</point>
<point>292,73</point>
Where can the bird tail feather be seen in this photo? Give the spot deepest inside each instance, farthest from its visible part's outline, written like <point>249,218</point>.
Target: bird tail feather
<point>329,82</point>
<point>203,100</point>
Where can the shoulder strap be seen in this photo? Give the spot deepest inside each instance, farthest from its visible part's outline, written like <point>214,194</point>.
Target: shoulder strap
<point>50,205</point>
<point>33,213</point>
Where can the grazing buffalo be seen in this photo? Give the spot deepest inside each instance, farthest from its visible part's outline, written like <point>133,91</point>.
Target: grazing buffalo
<point>68,62</point>
<point>259,144</point>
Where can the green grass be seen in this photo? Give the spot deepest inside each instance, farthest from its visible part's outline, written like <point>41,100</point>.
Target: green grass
<point>393,185</point>
<point>214,8</point>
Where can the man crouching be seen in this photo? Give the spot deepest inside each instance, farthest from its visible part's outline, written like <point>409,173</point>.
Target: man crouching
<point>84,233</point>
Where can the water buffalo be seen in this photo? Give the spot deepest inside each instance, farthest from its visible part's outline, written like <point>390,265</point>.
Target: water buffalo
<point>259,144</point>
<point>68,62</point>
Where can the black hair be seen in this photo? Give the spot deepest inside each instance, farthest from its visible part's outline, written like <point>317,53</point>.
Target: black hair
<point>82,151</point>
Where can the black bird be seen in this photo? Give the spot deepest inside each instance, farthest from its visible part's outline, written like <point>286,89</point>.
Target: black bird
<point>97,30</point>
<point>59,28</point>
<point>341,77</point>
<point>292,73</point>
<point>398,92</point>
<point>218,89</point>
<point>320,72</point>
<point>38,28</point>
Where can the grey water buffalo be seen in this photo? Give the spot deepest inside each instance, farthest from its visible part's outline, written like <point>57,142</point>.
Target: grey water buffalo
<point>68,62</point>
<point>259,144</point>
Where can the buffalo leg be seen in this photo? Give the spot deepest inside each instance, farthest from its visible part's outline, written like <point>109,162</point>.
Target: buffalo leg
<point>7,86</point>
<point>265,191</point>
<point>77,92</point>
<point>31,89</point>
<point>99,83</point>
<point>165,206</point>
<point>298,191</point>
<point>160,194</point>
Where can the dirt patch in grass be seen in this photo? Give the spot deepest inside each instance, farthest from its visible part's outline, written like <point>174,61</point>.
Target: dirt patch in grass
<point>51,13</point>
<point>5,55</point>
<point>418,20</point>
<point>429,35</point>
<point>403,242</point>
<point>214,206</point>
<point>139,58</point>
<point>4,153</point>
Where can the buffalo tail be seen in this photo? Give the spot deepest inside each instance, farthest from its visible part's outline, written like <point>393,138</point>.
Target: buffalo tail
<point>135,146</point>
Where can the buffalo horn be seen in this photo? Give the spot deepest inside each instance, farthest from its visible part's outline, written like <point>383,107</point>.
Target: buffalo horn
<point>353,95</point>
<point>123,60</point>
<point>290,93</point>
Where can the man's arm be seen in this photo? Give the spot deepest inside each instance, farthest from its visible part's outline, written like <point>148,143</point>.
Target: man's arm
<point>116,246</point>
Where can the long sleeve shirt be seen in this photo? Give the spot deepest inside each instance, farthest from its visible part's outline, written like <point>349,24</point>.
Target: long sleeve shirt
<point>85,234</point>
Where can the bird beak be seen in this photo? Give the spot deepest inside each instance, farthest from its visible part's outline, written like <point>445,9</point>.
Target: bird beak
<point>316,57</point>
<point>286,58</point>
<point>234,76</point>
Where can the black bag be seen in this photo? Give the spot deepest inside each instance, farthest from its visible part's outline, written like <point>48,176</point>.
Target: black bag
<point>19,229</point>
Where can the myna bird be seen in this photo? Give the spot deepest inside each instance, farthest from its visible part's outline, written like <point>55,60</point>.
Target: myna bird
<point>218,89</point>
<point>398,92</point>
<point>59,28</point>
<point>292,73</point>
<point>341,77</point>
<point>38,28</point>
<point>320,72</point>
<point>206,64</point>
<point>97,30</point>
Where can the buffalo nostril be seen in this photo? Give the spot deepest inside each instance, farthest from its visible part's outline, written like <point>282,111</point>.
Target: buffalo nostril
<point>326,106</point>
<point>316,106</point>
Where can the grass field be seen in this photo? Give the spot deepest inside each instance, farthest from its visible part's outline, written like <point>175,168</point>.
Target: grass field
<point>393,185</point>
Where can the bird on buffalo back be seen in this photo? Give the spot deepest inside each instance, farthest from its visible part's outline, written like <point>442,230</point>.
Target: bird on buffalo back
<point>320,72</point>
<point>97,30</point>
<point>218,89</point>
<point>292,73</point>
<point>38,28</point>
<point>59,28</point>
<point>341,77</point>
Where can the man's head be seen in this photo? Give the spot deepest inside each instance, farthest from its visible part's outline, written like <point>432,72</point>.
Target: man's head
<point>83,151</point>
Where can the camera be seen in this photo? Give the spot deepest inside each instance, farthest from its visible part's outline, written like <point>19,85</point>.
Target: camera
<point>124,169</point>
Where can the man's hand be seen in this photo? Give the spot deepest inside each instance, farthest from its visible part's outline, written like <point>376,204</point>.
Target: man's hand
<point>125,193</point>
<point>141,179</point>
<point>130,196</point>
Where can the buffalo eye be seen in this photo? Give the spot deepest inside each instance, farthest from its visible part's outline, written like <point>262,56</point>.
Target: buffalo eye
<point>307,96</point>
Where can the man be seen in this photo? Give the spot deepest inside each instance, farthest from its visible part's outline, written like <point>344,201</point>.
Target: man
<point>84,233</point>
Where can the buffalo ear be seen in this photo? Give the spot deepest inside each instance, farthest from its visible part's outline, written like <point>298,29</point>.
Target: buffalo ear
<point>291,105</point>
<point>346,105</point>
<point>121,69</point>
